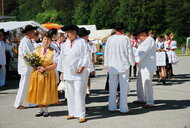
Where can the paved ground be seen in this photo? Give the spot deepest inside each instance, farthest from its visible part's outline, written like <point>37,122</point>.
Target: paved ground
<point>172,106</point>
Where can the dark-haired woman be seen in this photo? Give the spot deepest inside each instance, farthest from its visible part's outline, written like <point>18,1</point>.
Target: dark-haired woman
<point>43,88</point>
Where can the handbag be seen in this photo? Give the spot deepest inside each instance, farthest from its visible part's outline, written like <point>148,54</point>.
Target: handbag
<point>61,86</point>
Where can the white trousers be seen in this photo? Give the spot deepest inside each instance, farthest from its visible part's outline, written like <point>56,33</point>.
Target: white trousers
<point>22,91</point>
<point>76,93</point>
<point>144,87</point>
<point>113,84</point>
<point>2,75</point>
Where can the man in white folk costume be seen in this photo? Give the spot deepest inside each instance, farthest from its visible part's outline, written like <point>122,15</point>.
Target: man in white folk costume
<point>26,45</point>
<point>145,57</point>
<point>73,63</point>
<point>84,34</point>
<point>118,58</point>
<point>3,47</point>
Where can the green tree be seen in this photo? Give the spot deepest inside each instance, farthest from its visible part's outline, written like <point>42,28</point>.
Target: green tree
<point>177,18</point>
<point>27,9</point>
<point>81,13</point>
<point>128,13</point>
<point>48,16</point>
<point>102,13</point>
<point>9,6</point>
<point>158,15</point>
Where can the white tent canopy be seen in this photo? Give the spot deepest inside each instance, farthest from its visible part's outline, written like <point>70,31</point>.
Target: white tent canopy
<point>12,25</point>
<point>88,27</point>
<point>99,34</point>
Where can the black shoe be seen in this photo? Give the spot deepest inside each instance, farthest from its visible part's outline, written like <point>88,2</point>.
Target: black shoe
<point>39,114</point>
<point>163,82</point>
<point>46,114</point>
<point>5,85</point>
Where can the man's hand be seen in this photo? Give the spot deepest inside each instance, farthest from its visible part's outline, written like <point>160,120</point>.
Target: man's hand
<point>80,70</point>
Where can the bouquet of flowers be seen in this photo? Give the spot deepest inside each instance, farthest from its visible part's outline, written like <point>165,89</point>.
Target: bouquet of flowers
<point>33,60</point>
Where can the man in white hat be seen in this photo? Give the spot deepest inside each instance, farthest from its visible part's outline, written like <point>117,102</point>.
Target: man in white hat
<point>145,57</point>
<point>25,46</point>
<point>84,34</point>
<point>118,58</point>
<point>73,64</point>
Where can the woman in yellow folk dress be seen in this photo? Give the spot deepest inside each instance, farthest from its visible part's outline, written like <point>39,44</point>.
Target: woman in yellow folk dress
<point>43,88</point>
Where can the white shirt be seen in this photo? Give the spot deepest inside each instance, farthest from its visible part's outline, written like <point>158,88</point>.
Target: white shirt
<point>3,47</point>
<point>71,58</point>
<point>145,55</point>
<point>25,46</point>
<point>118,54</point>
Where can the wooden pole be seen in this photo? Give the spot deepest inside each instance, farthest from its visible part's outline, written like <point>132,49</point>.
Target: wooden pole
<point>2,7</point>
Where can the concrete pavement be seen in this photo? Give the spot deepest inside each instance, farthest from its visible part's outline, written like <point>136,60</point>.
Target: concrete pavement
<point>172,106</point>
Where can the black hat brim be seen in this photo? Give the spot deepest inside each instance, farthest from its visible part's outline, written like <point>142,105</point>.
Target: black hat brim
<point>140,30</point>
<point>69,27</point>
<point>29,29</point>
<point>84,34</point>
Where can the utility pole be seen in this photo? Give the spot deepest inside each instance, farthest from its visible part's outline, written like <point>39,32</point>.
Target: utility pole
<point>2,4</point>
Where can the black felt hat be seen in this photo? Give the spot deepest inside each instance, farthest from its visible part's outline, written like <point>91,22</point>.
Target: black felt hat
<point>28,28</point>
<point>70,27</point>
<point>140,30</point>
<point>119,26</point>
<point>83,32</point>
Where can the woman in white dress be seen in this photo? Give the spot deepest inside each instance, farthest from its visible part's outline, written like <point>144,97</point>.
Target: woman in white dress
<point>173,47</point>
<point>161,59</point>
<point>170,46</point>
<point>134,44</point>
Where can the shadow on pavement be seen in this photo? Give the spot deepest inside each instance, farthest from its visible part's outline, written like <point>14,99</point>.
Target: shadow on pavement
<point>176,80</point>
<point>58,113</point>
<point>100,112</point>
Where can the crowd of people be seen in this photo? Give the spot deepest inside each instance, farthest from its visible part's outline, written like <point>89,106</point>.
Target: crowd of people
<point>69,58</point>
